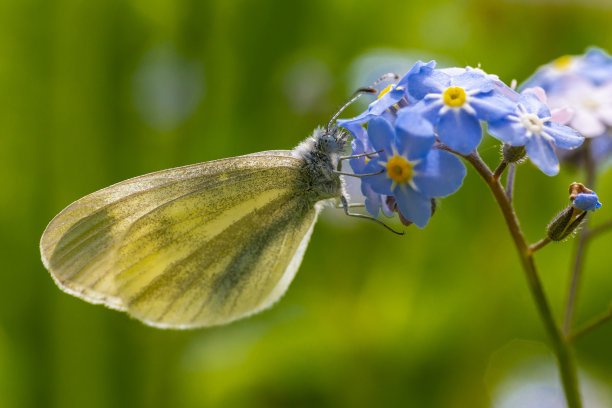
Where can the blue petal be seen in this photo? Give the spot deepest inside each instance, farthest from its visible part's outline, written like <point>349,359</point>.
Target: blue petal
<point>459,130</point>
<point>473,80</point>
<point>508,131</point>
<point>542,154</point>
<point>416,68</point>
<point>532,104</point>
<point>414,134</point>
<point>356,130</point>
<point>492,106</point>
<point>386,208</point>
<point>389,99</point>
<point>359,163</point>
<point>429,110</point>
<point>587,202</point>
<point>540,78</point>
<point>414,206</point>
<point>382,135</point>
<point>427,81</point>
<point>565,137</point>
<point>373,199</point>
<point>439,174</point>
<point>380,183</point>
<point>349,124</point>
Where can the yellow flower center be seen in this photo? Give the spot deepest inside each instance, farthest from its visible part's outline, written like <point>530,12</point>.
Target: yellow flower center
<point>454,96</point>
<point>384,91</point>
<point>562,63</point>
<point>399,169</point>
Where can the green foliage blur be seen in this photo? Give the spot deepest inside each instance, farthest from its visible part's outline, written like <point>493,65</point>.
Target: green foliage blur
<point>94,92</point>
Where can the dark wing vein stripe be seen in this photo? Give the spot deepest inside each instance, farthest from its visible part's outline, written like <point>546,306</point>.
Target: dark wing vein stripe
<point>168,274</point>
<point>63,253</point>
<point>209,217</point>
<point>259,241</point>
<point>114,221</point>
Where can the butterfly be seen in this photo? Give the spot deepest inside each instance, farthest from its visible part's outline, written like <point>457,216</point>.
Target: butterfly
<point>199,245</point>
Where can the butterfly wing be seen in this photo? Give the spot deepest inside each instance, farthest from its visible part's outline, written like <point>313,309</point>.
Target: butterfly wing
<point>193,246</point>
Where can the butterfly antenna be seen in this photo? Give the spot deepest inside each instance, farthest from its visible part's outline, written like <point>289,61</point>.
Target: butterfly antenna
<point>357,94</point>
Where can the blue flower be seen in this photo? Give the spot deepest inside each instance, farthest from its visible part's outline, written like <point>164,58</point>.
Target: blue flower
<point>455,101</point>
<point>373,200</point>
<point>387,98</point>
<point>530,125</point>
<point>587,202</point>
<point>411,170</point>
<point>595,66</point>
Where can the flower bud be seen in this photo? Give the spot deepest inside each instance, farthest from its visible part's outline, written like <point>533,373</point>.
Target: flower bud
<point>583,198</point>
<point>565,223</point>
<point>513,154</point>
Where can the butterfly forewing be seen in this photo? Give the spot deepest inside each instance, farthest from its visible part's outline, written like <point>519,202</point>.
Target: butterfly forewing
<point>192,246</point>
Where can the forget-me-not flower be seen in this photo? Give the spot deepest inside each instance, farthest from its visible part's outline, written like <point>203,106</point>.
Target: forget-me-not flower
<point>530,125</point>
<point>595,66</point>
<point>456,101</point>
<point>387,98</point>
<point>411,170</point>
<point>373,200</point>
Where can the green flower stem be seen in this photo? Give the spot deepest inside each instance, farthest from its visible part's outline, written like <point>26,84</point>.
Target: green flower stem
<point>560,346</point>
<point>540,244</point>
<point>576,274</point>
<point>510,181</point>
<point>606,226</point>
<point>500,169</point>
<point>593,324</point>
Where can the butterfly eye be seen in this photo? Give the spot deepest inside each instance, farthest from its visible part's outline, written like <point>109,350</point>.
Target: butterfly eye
<point>330,143</point>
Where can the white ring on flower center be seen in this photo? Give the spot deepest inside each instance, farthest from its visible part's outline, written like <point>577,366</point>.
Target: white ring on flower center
<point>532,122</point>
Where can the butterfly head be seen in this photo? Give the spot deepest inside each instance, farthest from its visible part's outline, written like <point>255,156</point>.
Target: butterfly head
<point>333,140</point>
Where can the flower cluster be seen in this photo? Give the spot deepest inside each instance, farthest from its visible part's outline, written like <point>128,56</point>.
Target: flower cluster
<point>583,83</point>
<point>412,130</point>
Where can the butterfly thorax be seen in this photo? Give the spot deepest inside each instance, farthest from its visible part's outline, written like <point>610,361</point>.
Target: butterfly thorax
<point>320,154</point>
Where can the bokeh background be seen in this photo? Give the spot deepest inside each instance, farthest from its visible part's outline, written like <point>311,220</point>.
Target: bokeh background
<point>94,92</point>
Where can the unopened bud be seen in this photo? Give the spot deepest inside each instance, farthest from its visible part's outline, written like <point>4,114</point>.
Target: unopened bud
<point>578,188</point>
<point>513,154</point>
<point>583,198</point>
<point>565,223</point>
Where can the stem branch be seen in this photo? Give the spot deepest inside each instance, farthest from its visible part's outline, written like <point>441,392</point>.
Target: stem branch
<point>593,324</point>
<point>559,344</point>
<point>589,166</point>
<point>510,181</point>
<point>539,245</point>
<point>500,169</point>
<point>606,226</point>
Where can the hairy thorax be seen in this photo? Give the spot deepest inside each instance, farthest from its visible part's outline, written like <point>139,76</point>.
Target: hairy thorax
<point>319,160</point>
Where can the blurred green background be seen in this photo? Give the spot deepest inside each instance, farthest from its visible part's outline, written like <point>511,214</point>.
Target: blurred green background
<point>94,92</point>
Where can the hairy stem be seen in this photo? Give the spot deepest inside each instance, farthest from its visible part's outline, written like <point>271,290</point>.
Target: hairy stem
<point>510,181</point>
<point>540,244</point>
<point>500,170</point>
<point>560,346</point>
<point>576,273</point>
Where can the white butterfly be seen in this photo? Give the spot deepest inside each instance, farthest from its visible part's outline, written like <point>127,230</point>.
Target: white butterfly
<point>198,245</point>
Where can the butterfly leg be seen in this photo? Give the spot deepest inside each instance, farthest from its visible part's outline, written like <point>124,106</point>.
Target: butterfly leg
<point>358,155</point>
<point>340,173</point>
<point>355,205</point>
<point>346,207</point>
